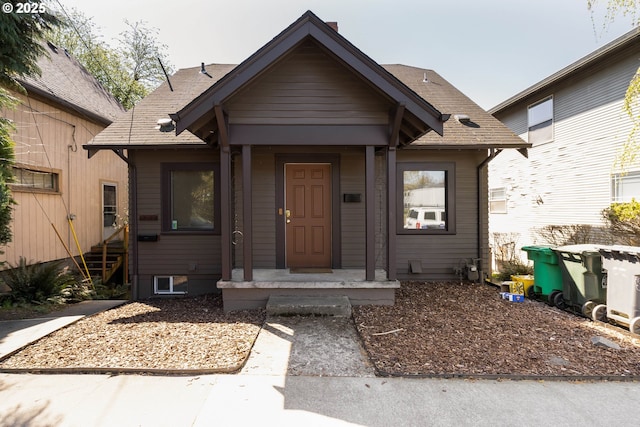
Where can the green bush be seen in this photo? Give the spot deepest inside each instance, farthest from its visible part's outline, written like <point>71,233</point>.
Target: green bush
<point>37,283</point>
<point>623,220</point>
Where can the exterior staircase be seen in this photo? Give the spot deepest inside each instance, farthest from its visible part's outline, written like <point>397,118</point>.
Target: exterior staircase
<point>108,256</point>
<point>103,266</point>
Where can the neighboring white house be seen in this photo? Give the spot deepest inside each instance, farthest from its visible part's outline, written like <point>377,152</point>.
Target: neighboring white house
<point>576,123</point>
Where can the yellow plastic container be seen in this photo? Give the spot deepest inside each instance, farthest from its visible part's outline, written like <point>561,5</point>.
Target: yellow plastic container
<point>522,284</point>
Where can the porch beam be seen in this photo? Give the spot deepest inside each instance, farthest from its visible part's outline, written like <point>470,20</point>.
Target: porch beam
<point>247,209</point>
<point>370,258</point>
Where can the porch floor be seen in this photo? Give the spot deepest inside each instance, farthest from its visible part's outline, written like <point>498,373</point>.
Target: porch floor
<point>239,294</point>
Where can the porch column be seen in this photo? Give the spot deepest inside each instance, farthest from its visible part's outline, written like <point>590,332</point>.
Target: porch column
<point>225,212</point>
<point>391,214</point>
<point>370,209</point>
<point>225,193</point>
<point>247,210</point>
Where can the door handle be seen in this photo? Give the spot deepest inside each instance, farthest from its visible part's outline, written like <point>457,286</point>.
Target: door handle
<point>288,215</point>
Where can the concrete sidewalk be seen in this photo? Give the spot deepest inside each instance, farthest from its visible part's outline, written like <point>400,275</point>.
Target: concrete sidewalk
<point>15,334</point>
<point>238,400</point>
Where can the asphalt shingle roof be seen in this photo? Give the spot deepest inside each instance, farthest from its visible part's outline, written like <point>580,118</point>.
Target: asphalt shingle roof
<point>139,126</point>
<point>483,131</point>
<point>65,81</point>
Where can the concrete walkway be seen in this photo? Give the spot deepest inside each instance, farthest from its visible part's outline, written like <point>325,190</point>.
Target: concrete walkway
<point>15,334</point>
<point>302,371</point>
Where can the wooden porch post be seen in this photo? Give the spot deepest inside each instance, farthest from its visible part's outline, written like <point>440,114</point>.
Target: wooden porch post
<point>225,193</point>
<point>391,214</point>
<point>370,229</point>
<point>247,211</point>
<point>394,139</point>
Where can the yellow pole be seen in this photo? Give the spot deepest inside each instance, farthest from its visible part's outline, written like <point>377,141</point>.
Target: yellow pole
<point>68,251</point>
<point>84,263</point>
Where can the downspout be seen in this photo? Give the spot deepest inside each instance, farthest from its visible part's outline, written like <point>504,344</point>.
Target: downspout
<point>492,155</point>
<point>133,228</point>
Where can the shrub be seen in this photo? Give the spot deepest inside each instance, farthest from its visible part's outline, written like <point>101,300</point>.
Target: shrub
<point>623,220</point>
<point>512,268</point>
<point>37,283</point>
<point>560,235</point>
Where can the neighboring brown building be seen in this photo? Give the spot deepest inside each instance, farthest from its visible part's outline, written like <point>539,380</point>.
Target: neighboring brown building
<point>63,109</point>
<point>291,173</point>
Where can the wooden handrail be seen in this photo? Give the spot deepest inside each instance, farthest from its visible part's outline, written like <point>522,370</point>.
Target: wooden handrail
<point>125,230</point>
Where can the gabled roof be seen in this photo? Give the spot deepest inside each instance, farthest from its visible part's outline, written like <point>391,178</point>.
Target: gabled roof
<point>64,81</point>
<point>481,130</point>
<point>586,64</point>
<point>419,115</point>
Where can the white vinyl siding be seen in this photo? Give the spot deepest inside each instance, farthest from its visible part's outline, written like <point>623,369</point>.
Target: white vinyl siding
<point>569,181</point>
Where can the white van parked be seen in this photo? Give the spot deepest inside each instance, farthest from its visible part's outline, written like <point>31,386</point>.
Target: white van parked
<point>426,218</point>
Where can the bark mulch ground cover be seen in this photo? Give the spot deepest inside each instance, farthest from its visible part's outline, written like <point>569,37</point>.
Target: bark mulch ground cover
<point>448,329</point>
<point>466,329</point>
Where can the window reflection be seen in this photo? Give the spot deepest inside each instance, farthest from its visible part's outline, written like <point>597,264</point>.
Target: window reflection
<point>424,200</point>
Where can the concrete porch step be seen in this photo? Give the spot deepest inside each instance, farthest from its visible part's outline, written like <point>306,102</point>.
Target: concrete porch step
<point>285,305</point>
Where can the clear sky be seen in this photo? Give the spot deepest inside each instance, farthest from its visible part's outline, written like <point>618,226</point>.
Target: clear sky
<point>488,49</point>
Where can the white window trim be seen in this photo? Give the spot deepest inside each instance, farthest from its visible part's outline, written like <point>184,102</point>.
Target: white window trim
<point>163,292</point>
<point>615,178</point>
<point>553,120</point>
<point>504,199</point>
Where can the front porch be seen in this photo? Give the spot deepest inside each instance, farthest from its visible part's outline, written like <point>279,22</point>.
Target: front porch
<point>239,294</point>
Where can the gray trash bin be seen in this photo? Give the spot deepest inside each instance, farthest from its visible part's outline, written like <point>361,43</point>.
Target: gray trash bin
<point>582,286</point>
<point>622,265</point>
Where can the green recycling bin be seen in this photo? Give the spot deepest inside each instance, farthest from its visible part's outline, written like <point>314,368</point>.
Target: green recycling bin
<point>547,277</point>
<point>583,286</point>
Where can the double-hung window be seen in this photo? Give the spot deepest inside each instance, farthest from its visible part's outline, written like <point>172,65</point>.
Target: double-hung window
<point>625,187</point>
<point>540,121</point>
<point>498,200</point>
<point>426,198</point>
<point>190,197</point>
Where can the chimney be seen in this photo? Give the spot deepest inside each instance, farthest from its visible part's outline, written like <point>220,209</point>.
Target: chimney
<point>333,25</point>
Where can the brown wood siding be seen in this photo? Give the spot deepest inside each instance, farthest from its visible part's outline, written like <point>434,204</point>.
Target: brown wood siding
<point>353,214</point>
<point>48,137</point>
<point>264,209</point>
<point>192,255</point>
<point>308,88</point>
<point>439,254</point>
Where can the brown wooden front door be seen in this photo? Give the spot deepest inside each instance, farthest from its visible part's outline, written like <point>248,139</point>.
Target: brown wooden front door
<point>308,215</point>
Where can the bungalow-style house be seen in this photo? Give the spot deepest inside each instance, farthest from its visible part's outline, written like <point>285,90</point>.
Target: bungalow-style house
<point>575,122</point>
<point>54,181</point>
<point>290,174</point>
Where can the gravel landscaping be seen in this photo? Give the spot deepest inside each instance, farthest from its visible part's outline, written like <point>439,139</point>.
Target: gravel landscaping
<point>433,329</point>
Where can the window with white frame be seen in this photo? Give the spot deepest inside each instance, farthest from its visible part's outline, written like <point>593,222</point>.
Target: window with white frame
<point>540,121</point>
<point>498,200</point>
<point>625,187</point>
<point>170,284</point>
